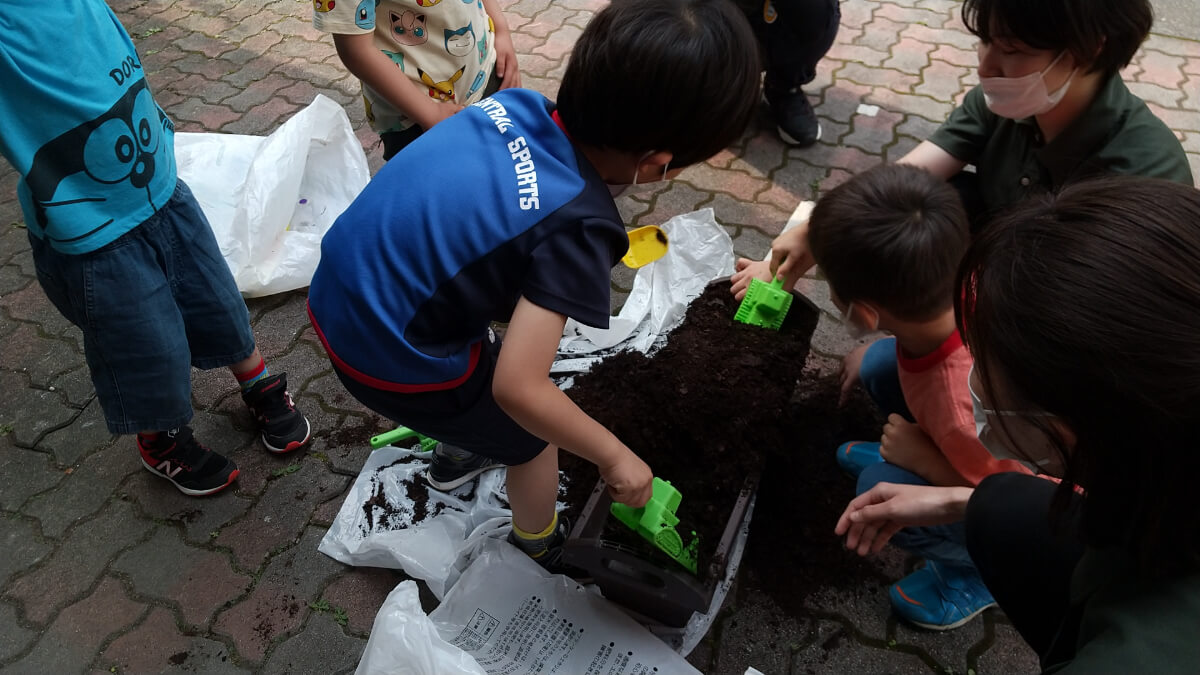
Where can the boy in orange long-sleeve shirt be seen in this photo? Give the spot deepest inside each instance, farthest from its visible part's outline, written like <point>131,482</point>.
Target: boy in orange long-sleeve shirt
<point>889,241</point>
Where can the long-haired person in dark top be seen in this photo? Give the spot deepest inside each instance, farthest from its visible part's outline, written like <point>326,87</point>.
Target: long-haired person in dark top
<point>1083,313</point>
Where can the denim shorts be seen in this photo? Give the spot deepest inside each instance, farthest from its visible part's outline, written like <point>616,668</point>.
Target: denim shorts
<point>466,416</point>
<point>151,304</point>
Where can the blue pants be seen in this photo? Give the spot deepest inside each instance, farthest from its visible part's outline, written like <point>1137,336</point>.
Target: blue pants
<point>880,376</point>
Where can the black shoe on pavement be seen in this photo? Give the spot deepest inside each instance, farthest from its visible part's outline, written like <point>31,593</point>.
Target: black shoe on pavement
<point>453,466</point>
<point>283,427</point>
<point>794,117</point>
<point>178,457</point>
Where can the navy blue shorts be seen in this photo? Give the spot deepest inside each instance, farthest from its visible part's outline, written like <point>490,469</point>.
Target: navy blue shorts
<point>466,416</point>
<point>151,304</point>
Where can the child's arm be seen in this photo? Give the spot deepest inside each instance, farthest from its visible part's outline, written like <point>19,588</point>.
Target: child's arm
<point>378,72</point>
<point>506,54</point>
<point>523,389</point>
<point>907,446</point>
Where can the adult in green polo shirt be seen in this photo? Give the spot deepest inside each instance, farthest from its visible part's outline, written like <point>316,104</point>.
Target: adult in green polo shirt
<point>1050,109</point>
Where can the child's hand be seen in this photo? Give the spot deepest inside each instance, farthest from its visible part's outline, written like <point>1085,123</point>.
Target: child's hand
<point>629,480</point>
<point>506,60</point>
<point>851,368</point>
<point>436,112</point>
<point>745,270</point>
<point>907,446</point>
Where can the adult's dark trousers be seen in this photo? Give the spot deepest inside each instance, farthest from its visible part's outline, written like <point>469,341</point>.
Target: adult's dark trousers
<point>1025,555</point>
<point>794,34</point>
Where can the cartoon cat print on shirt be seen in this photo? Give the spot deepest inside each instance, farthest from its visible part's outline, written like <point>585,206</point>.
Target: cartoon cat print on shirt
<point>112,156</point>
<point>364,15</point>
<point>444,90</point>
<point>482,46</point>
<point>460,42</point>
<point>408,29</point>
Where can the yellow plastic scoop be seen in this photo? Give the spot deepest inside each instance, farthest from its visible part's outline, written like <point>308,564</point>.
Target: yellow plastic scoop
<point>646,244</point>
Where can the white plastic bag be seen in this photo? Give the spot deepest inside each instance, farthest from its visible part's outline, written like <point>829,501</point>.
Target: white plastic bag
<point>390,532</point>
<point>270,199</point>
<point>507,615</point>
<point>700,250</point>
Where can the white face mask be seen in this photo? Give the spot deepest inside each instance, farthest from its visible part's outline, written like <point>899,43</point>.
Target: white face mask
<point>854,330</point>
<point>1020,97</point>
<point>619,189</point>
<point>1039,455</point>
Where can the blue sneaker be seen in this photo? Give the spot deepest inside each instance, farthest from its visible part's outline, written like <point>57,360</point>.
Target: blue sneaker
<point>940,597</point>
<point>855,456</point>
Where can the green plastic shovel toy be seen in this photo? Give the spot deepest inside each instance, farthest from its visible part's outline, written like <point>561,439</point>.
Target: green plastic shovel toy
<point>402,434</point>
<point>656,523</point>
<point>765,304</point>
<point>646,244</point>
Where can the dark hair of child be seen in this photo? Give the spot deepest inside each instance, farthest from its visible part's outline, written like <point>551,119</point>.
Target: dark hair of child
<point>1102,33</point>
<point>892,235</point>
<point>1086,306</point>
<point>662,75</point>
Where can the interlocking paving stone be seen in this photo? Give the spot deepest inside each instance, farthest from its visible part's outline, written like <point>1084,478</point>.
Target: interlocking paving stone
<point>322,641</point>
<point>72,640</point>
<point>86,434</point>
<point>281,512</point>
<point>278,604</point>
<point>26,473</point>
<point>157,645</point>
<point>196,580</point>
<point>76,563</point>
<point>23,546</point>
<point>14,638</point>
<point>360,592</point>
<point>89,486</point>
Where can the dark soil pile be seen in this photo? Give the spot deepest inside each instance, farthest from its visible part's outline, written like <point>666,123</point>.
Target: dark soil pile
<point>723,402</point>
<point>703,412</point>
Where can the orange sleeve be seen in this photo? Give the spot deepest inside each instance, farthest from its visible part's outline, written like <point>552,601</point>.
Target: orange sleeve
<point>967,455</point>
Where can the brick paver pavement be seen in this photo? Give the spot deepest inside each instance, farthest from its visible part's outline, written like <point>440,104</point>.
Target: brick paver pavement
<point>108,570</point>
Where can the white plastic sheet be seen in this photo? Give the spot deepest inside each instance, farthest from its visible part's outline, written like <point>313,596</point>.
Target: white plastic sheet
<point>270,199</point>
<point>507,615</point>
<point>700,250</point>
<point>388,533</point>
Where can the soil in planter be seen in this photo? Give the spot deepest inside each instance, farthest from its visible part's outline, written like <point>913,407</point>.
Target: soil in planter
<point>703,413</point>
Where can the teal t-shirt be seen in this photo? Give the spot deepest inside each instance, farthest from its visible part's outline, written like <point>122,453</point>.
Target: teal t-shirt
<point>95,152</point>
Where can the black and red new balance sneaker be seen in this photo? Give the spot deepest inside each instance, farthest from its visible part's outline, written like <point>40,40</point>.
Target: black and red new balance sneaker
<point>284,428</point>
<point>178,457</point>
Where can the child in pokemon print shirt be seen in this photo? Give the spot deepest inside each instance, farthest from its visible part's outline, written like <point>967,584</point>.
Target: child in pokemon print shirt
<point>419,61</point>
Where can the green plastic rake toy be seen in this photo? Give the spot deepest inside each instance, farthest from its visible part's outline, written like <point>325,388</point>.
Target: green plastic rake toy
<point>656,522</point>
<point>765,304</point>
<point>402,434</point>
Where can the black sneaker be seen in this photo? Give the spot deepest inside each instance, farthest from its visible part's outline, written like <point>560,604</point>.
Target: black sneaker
<point>453,466</point>
<point>549,552</point>
<point>794,117</point>
<point>191,467</point>
<point>284,428</point>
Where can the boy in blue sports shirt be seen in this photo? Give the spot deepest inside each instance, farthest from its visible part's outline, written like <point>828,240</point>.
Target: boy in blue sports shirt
<point>413,272</point>
<point>119,243</point>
